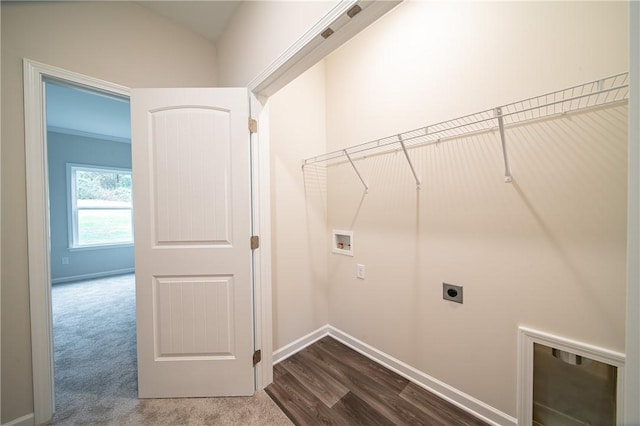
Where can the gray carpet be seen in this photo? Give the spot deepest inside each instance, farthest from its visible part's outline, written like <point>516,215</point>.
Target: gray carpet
<point>95,367</point>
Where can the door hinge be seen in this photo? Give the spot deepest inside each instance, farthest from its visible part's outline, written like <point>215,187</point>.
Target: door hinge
<point>257,357</point>
<point>255,242</point>
<point>253,125</point>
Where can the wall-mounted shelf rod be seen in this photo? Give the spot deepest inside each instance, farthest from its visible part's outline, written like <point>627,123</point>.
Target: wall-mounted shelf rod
<point>355,169</point>
<point>593,94</point>
<point>507,171</point>
<point>406,154</point>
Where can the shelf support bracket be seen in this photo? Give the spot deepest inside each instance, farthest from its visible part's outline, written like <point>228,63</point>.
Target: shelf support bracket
<point>406,154</point>
<point>507,171</point>
<point>366,188</point>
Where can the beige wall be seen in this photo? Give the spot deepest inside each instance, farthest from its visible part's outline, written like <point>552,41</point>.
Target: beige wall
<point>298,202</point>
<point>119,42</point>
<point>260,32</point>
<point>547,251</point>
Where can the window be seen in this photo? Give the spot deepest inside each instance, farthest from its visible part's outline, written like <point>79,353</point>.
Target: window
<point>101,211</point>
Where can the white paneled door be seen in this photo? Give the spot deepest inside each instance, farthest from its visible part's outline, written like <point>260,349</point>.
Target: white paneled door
<point>192,199</point>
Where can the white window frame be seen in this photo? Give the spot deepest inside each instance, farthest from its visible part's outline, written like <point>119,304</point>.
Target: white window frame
<point>72,210</point>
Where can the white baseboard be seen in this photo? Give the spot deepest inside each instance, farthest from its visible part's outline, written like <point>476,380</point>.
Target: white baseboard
<point>460,399</point>
<point>27,420</point>
<point>464,401</point>
<point>92,276</point>
<point>456,397</point>
<point>296,346</point>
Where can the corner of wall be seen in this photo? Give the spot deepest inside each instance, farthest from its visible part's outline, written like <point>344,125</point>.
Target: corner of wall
<point>299,231</point>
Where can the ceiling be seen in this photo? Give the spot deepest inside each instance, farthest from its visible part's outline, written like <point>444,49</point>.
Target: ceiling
<point>79,111</point>
<point>207,18</point>
<point>82,112</point>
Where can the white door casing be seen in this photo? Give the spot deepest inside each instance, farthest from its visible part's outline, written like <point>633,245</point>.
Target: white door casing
<point>38,224</point>
<point>192,218</point>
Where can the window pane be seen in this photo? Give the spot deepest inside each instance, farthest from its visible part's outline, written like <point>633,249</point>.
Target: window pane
<point>102,200</point>
<point>103,185</point>
<point>104,226</point>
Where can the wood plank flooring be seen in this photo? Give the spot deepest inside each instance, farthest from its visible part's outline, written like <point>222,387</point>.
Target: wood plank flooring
<point>330,384</point>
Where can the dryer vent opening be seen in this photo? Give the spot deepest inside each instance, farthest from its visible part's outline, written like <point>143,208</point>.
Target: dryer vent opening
<point>570,389</point>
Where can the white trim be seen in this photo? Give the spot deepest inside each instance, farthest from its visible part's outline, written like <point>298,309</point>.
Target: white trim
<point>298,345</point>
<point>309,41</point>
<point>93,276</point>
<point>110,138</point>
<point>27,420</point>
<point>458,398</point>
<point>100,247</point>
<point>261,202</point>
<point>527,337</point>
<point>632,347</point>
<point>38,226</point>
<point>312,47</point>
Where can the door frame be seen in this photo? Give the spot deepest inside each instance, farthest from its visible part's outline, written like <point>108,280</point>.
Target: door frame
<point>37,181</point>
<point>308,50</point>
<point>38,225</point>
<point>304,53</point>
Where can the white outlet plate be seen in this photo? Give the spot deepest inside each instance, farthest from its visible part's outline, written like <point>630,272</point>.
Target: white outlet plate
<point>360,271</point>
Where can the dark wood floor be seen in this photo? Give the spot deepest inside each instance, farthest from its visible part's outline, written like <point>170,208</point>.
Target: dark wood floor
<point>328,383</point>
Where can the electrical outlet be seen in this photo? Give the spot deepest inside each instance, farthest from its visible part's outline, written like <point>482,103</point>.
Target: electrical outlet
<point>452,292</point>
<point>65,260</point>
<point>360,271</point>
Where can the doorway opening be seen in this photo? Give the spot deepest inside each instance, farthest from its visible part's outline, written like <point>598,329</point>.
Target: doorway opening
<point>88,138</point>
<point>91,257</point>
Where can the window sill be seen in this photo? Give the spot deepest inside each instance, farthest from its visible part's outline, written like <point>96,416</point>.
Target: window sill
<point>100,247</point>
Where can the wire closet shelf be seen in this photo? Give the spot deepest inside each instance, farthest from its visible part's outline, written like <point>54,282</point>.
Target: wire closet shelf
<point>593,94</point>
